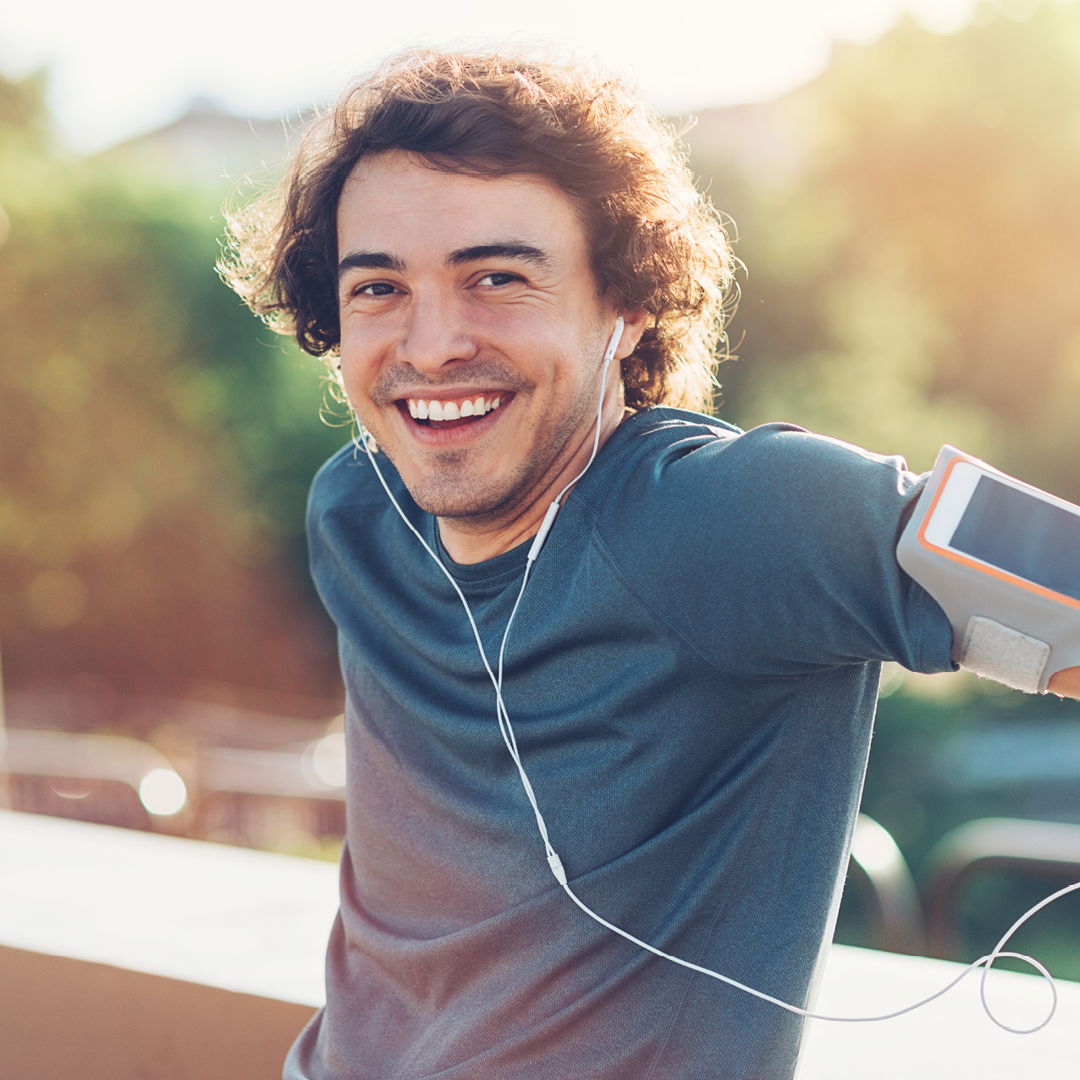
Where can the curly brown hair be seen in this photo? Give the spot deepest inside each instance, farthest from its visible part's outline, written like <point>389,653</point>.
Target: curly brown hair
<point>657,243</point>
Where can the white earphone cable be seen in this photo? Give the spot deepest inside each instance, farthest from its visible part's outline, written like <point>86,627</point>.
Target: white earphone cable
<point>509,738</point>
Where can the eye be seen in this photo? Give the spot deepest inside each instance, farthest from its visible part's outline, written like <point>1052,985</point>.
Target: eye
<point>375,288</point>
<point>499,277</point>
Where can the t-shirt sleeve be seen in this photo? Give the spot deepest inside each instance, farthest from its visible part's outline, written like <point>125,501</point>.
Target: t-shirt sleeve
<point>773,553</point>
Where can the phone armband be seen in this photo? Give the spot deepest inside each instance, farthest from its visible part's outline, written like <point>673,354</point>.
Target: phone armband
<point>1002,558</point>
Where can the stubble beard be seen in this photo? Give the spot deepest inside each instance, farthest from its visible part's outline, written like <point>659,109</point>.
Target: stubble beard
<point>475,509</point>
<point>445,490</point>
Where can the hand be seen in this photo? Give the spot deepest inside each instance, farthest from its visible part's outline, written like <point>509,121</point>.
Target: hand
<point>1065,683</point>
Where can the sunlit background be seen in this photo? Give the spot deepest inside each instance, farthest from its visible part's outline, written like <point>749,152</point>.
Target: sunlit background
<point>902,180</point>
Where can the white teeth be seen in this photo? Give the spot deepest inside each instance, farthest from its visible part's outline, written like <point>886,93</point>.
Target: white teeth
<point>419,409</point>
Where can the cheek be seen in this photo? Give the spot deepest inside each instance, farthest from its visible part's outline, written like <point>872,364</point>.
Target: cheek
<point>357,385</point>
<point>359,359</point>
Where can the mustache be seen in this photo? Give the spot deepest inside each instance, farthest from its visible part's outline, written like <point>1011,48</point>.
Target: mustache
<point>481,374</point>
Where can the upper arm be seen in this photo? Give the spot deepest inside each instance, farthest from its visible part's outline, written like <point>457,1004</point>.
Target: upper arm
<point>775,553</point>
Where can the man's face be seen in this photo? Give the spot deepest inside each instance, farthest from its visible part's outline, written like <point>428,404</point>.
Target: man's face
<point>472,332</point>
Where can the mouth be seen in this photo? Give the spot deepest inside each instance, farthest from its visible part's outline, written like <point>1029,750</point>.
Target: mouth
<point>445,413</point>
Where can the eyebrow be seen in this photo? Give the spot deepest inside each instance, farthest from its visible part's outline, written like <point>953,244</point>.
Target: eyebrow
<point>369,260</point>
<point>510,250</point>
<point>381,260</point>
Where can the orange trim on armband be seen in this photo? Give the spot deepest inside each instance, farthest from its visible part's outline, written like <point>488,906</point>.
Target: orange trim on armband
<point>975,564</point>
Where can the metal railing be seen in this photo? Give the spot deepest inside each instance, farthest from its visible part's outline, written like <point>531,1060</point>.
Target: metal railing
<point>244,795</point>
<point>1043,849</point>
<point>881,875</point>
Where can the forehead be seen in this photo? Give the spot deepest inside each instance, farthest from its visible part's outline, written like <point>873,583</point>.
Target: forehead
<point>393,199</point>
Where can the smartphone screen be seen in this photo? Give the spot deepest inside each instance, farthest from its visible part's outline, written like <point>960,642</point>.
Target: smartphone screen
<point>1022,535</point>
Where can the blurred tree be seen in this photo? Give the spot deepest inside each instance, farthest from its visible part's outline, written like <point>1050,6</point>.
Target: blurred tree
<point>154,447</point>
<point>927,224</point>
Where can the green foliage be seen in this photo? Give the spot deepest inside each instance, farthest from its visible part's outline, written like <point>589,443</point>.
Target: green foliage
<point>915,278</point>
<point>140,410</point>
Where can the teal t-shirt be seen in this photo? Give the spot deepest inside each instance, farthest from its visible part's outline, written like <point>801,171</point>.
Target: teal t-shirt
<point>692,677</point>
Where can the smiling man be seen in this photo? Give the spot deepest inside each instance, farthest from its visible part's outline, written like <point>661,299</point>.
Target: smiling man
<point>692,670</point>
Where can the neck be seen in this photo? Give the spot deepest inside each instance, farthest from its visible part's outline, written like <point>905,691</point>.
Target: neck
<point>468,541</point>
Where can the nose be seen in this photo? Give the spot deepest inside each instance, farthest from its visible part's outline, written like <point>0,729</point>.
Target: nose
<point>436,333</point>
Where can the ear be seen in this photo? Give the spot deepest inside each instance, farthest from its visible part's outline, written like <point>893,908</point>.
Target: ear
<point>635,324</point>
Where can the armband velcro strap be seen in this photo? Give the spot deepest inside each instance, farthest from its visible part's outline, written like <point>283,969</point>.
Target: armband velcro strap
<point>1003,654</point>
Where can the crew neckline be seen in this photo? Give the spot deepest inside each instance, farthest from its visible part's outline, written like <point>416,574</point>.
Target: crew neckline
<point>512,562</point>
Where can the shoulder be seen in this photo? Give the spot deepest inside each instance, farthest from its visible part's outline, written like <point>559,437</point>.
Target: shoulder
<point>772,549</point>
<point>671,456</point>
<point>682,491</point>
<point>346,478</point>
<point>348,489</point>
<point>348,503</point>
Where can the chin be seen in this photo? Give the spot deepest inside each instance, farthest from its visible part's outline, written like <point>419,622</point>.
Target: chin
<point>459,506</point>
<point>455,497</point>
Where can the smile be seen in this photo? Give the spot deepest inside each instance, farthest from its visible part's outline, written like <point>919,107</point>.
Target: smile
<point>429,411</point>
